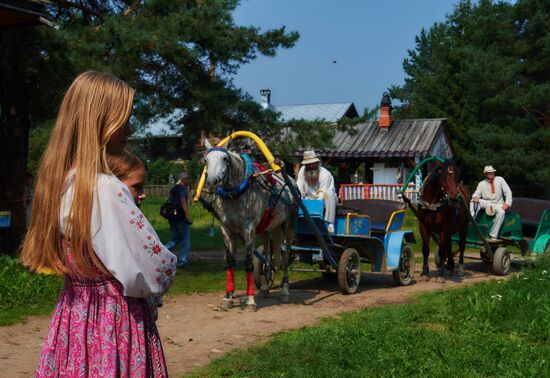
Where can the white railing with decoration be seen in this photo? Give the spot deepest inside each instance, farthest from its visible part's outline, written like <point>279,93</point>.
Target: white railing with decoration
<point>376,191</point>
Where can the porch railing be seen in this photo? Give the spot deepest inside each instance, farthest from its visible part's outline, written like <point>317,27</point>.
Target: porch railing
<point>375,191</point>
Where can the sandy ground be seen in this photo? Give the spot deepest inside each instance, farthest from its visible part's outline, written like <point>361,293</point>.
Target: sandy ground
<point>195,330</point>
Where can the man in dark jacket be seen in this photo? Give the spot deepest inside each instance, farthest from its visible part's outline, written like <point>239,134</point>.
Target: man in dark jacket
<point>179,195</point>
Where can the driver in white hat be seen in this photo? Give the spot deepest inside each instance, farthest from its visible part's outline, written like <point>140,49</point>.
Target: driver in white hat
<point>316,182</point>
<point>494,195</point>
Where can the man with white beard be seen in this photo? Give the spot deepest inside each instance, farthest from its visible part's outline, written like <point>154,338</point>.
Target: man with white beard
<point>316,182</point>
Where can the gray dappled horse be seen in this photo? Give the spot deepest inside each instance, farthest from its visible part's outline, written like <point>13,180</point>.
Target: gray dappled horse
<point>242,214</point>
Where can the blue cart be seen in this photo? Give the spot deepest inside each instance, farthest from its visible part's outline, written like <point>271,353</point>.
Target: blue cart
<point>366,231</point>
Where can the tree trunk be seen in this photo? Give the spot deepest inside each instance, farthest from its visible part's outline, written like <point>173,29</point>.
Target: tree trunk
<point>14,138</point>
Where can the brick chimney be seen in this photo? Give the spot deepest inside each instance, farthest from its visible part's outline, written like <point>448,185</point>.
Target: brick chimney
<point>385,119</point>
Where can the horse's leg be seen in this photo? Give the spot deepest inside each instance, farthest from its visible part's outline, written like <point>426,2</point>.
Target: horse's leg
<point>463,231</point>
<point>264,289</point>
<point>250,237</point>
<point>230,268</point>
<point>425,233</point>
<point>449,250</point>
<point>278,237</point>
<point>442,254</point>
<point>288,235</point>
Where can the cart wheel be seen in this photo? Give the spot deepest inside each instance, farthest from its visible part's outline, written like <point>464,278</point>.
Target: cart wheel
<point>501,261</point>
<point>404,274</point>
<point>349,271</point>
<point>259,270</point>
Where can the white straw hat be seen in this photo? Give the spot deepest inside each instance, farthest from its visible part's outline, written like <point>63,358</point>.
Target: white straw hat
<point>310,157</point>
<point>489,169</point>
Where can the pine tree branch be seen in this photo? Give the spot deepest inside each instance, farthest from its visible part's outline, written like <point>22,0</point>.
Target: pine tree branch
<point>71,4</point>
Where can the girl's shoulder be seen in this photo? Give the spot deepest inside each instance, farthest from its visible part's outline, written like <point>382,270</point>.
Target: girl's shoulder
<point>110,183</point>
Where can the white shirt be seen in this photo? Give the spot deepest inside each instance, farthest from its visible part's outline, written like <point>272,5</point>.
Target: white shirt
<point>502,194</point>
<point>325,184</point>
<point>124,241</point>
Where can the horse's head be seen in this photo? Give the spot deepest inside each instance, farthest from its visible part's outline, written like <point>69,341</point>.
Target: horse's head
<point>448,180</point>
<point>217,165</point>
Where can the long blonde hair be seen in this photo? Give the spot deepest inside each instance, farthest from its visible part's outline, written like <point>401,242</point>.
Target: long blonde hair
<point>95,107</point>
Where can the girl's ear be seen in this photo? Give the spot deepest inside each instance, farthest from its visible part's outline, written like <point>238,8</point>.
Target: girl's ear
<point>207,144</point>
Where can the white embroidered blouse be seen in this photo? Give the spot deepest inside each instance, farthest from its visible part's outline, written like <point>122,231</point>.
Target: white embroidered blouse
<point>124,240</point>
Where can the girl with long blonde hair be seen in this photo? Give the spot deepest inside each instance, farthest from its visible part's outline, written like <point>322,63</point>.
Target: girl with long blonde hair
<point>87,228</point>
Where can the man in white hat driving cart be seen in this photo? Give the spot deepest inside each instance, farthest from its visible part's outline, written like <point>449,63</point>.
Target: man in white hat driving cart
<point>494,195</point>
<point>316,182</point>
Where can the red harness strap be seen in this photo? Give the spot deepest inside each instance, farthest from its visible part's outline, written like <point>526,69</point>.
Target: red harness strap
<point>267,176</point>
<point>267,218</point>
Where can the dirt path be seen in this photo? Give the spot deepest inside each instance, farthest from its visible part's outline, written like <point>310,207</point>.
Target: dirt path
<point>194,330</point>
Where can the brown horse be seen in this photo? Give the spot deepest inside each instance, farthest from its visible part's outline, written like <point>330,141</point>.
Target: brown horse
<point>441,213</point>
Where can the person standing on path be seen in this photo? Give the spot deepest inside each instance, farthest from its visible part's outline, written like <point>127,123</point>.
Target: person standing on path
<point>180,227</point>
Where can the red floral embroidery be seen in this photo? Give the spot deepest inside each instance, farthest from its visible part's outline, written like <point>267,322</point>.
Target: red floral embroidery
<point>153,247</point>
<point>137,220</point>
<point>122,199</point>
<point>166,272</point>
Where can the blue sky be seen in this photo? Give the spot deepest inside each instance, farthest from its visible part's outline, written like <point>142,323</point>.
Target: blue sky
<point>368,39</point>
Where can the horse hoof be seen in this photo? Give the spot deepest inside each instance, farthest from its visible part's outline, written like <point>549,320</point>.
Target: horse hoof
<point>440,279</point>
<point>264,293</point>
<point>251,308</point>
<point>424,277</point>
<point>285,298</point>
<point>460,271</point>
<point>227,303</point>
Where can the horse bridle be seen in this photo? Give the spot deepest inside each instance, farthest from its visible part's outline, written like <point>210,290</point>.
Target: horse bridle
<point>221,149</point>
<point>444,200</point>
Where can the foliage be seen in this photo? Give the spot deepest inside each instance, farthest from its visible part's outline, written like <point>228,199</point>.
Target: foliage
<point>160,170</point>
<point>38,140</point>
<point>485,68</point>
<point>369,115</point>
<point>497,328</point>
<point>179,55</point>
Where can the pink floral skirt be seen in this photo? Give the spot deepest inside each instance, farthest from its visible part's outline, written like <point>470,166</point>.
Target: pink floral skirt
<point>98,332</point>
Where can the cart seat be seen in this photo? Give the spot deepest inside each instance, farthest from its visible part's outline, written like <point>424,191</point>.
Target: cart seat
<point>342,211</point>
<point>379,211</point>
<point>530,209</point>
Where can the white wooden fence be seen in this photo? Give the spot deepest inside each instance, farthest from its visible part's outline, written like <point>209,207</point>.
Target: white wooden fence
<point>375,191</point>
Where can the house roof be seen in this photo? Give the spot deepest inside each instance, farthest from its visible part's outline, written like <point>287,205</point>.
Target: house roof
<point>161,127</point>
<point>404,138</point>
<point>310,112</point>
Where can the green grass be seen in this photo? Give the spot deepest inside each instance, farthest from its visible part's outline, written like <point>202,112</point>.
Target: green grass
<point>498,328</point>
<point>23,293</point>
